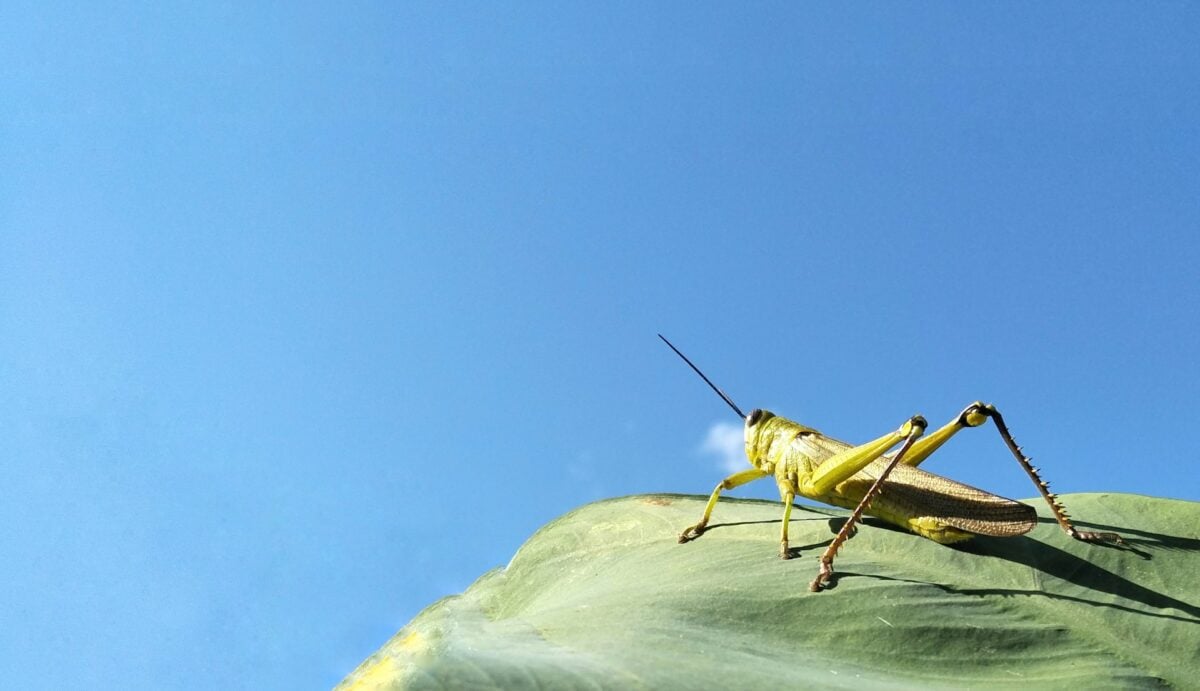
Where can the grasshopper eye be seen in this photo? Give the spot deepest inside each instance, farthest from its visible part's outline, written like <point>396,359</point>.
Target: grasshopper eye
<point>755,416</point>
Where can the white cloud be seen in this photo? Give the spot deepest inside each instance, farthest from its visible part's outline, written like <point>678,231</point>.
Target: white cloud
<point>725,441</point>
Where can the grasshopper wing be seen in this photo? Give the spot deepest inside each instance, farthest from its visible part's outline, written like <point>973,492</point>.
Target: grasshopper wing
<point>916,493</point>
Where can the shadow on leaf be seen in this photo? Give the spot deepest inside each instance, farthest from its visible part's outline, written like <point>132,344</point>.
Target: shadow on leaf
<point>1063,565</point>
<point>1014,592</point>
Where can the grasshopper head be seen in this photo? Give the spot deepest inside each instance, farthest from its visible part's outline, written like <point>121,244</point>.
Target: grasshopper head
<point>756,416</point>
<point>754,423</point>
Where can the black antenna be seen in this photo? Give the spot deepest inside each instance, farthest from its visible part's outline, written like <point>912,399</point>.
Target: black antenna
<point>706,381</point>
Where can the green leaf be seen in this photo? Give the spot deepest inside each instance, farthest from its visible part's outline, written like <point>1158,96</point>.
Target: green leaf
<point>605,597</point>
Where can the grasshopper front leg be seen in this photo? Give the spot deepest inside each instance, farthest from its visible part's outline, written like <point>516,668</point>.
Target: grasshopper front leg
<point>695,531</point>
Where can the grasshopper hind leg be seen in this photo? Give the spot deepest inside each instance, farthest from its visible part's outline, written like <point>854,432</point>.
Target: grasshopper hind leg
<point>909,433</point>
<point>692,532</point>
<point>977,414</point>
<point>1060,513</point>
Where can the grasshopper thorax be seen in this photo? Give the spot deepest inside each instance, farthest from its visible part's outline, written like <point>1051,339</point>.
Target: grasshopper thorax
<point>768,436</point>
<point>759,433</point>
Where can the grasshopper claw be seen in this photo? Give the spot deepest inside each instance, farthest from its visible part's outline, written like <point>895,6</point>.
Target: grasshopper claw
<point>822,576</point>
<point>691,533</point>
<point>1087,536</point>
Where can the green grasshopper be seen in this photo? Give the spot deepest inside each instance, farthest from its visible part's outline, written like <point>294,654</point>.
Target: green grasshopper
<point>864,478</point>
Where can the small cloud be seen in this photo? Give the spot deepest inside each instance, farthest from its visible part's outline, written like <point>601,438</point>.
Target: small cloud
<point>725,441</point>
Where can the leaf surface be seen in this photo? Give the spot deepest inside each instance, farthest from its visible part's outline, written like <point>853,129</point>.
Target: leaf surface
<point>604,597</point>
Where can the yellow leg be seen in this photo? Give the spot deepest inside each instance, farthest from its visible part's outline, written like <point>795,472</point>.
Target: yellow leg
<point>787,517</point>
<point>914,428</point>
<point>932,442</point>
<point>973,415</point>
<point>695,531</point>
<point>977,414</point>
<point>842,466</point>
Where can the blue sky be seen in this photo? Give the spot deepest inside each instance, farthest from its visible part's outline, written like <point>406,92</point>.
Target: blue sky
<point>309,316</point>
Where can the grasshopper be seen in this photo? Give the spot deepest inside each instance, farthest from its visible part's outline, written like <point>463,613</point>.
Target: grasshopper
<point>890,487</point>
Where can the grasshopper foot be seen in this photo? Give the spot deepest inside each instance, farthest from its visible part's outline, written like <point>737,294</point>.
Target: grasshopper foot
<point>1087,536</point>
<point>784,552</point>
<point>822,576</point>
<point>691,533</point>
